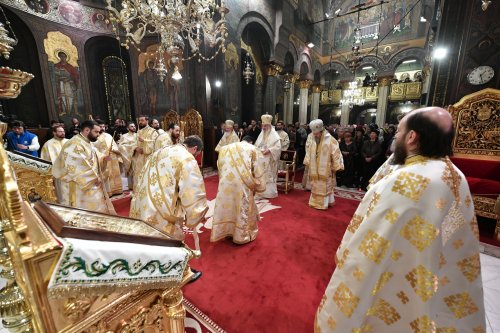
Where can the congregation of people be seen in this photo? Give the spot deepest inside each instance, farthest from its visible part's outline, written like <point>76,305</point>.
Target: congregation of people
<point>364,148</point>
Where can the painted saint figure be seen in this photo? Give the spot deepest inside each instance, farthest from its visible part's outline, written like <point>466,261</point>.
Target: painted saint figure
<point>150,82</point>
<point>67,78</point>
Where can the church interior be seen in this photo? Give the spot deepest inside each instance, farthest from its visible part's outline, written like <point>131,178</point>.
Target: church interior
<point>155,76</point>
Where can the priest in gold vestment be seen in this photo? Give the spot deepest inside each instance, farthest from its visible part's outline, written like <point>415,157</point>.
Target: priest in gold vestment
<point>170,191</point>
<point>285,139</point>
<point>240,177</point>
<point>80,167</point>
<point>127,145</point>
<point>107,146</point>
<point>146,137</point>
<point>168,138</point>
<point>409,260</point>
<point>269,143</point>
<point>51,150</point>
<point>229,135</point>
<point>324,159</point>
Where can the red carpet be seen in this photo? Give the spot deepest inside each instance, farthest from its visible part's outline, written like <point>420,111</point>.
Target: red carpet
<point>275,283</point>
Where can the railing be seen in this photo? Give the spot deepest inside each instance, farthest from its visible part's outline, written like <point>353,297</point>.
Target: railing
<point>334,96</point>
<point>405,91</point>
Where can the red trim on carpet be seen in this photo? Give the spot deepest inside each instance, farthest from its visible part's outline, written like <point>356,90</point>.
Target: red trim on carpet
<point>193,312</point>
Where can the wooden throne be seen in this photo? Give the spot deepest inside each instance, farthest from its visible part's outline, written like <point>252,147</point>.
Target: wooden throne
<point>171,117</point>
<point>476,149</point>
<point>192,124</point>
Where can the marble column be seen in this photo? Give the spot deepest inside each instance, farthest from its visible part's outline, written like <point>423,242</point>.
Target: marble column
<point>383,99</point>
<point>304,94</point>
<point>316,93</point>
<point>344,114</point>
<point>270,94</point>
<point>288,98</point>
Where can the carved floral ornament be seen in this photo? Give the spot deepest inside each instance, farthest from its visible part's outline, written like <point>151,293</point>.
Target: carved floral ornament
<point>477,118</point>
<point>305,84</point>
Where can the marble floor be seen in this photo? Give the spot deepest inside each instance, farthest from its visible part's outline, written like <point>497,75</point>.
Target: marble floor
<point>490,270</point>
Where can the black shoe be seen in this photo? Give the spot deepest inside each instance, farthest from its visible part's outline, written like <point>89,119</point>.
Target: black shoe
<point>196,275</point>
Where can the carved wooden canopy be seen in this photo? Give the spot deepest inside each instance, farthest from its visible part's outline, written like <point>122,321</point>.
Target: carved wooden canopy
<point>477,125</point>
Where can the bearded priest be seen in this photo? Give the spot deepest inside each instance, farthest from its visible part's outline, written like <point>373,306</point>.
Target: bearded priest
<point>127,145</point>
<point>324,159</point>
<point>409,260</point>
<point>169,138</point>
<point>107,146</point>
<point>285,139</point>
<point>146,137</point>
<point>170,191</point>
<point>80,167</point>
<point>240,177</point>
<point>269,143</point>
<point>51,150</point>
<point>229,135</point>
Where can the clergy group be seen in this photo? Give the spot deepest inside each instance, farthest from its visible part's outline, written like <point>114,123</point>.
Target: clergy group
<point>409,259</point>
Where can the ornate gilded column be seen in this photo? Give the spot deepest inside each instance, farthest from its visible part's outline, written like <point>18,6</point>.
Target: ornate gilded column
<point>384,83</point>
<point>304,92</point>
<point>14,306</point>
<point>316,93</point>
<point>288,100</point>
<point>272,71</point>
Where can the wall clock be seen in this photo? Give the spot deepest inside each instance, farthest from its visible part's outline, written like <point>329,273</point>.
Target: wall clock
<point>480,75</point>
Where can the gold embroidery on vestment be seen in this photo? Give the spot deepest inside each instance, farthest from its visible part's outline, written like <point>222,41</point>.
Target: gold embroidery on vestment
<point>374,246</point>
<point>419,233</point>
<point>423,282</point>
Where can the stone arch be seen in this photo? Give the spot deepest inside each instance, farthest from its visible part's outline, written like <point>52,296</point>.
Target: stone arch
<point>316,66</point>
<point>294,52</point>
<point>98,48</point>
<point>317,77</point>
<point>35,102</point>
<point>304,62</point>
<point>375,62</point>
<point>413,53</point>
<point>289,63</point>
<point>254,17</point>
<point>344,72</point>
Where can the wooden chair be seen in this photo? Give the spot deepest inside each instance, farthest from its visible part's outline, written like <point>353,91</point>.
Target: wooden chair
<point>286,170</point>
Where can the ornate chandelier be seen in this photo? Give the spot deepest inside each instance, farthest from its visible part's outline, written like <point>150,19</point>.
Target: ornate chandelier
<point>248,71</point>
<point>352,95</point>
<point>6,42</point>
<point>175,21</point>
